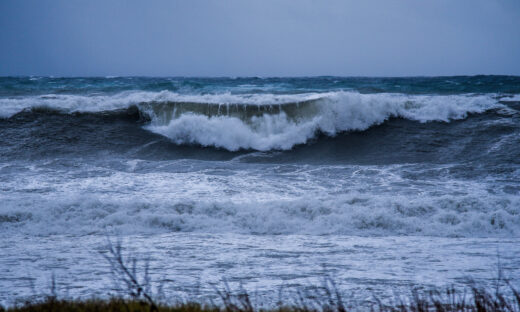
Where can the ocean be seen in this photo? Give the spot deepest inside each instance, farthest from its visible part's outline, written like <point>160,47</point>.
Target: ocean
<point>383,184</point>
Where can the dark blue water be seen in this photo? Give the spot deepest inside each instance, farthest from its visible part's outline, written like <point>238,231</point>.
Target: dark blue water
<point>12,86</point>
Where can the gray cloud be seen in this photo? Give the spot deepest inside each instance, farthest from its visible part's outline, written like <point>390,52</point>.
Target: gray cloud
<point>259,38</point>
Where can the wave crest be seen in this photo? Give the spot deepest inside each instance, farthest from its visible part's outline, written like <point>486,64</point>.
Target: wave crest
<point>283,126</point>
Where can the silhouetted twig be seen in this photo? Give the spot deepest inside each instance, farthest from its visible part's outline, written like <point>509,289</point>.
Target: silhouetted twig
<point>128,275</point>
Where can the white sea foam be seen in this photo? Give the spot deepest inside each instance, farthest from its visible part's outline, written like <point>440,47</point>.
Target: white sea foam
<point>351,214</point>
<point>353,200</point>
<point>514,97</point>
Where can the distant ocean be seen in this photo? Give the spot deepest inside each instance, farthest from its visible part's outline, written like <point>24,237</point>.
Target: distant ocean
<point>381,183</point>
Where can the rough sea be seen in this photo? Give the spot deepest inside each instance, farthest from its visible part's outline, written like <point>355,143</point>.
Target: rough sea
<point>383,184</point>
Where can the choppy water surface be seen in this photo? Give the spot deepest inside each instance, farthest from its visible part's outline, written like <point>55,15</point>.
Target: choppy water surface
<point>375,181</point>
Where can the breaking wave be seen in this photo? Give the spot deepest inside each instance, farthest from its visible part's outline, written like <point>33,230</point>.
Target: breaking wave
<point>262,121</point>
<point>354,214</point>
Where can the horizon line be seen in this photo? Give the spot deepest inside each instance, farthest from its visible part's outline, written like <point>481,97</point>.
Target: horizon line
<point>256,77</point>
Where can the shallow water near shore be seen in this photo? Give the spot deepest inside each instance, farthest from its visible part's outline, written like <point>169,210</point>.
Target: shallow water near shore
<point>189,265</point>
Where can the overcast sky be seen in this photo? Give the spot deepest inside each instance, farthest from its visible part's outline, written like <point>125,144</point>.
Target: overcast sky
<point>259,37</point>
